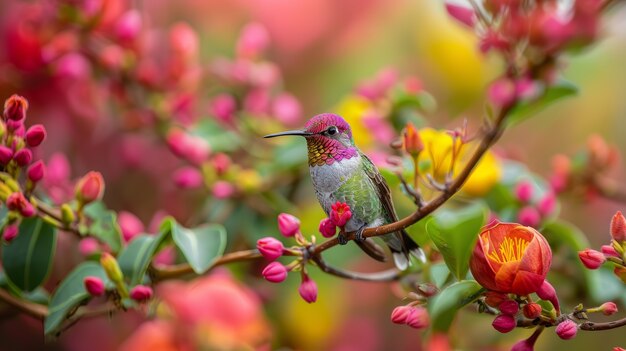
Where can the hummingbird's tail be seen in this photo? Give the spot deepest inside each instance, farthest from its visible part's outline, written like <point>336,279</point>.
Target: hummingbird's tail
<point>401,257</point>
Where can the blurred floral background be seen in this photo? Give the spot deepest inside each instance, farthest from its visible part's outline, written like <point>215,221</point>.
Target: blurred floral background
<point>121,85</point>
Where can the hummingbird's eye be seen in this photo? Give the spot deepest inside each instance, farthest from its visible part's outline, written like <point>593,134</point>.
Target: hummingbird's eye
<point>332,130</point>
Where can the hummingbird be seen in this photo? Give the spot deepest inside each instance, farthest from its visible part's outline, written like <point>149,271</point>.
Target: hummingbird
<point>341,172</point>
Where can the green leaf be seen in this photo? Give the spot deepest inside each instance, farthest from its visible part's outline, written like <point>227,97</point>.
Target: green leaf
<point>28,258</point>
<point>525,110</point>
<point>70,294</point>
<point>454,233</point>
<point>444,306</point>
<point>218,138</point>
<point>104,225</point>
<point>137,255</point>
<point>201,245</point>
<point>439,274</point>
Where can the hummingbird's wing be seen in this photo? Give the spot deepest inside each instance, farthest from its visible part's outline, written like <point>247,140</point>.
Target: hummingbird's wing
<point>403,244</point>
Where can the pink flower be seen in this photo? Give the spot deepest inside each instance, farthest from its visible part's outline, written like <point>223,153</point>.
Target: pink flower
<point>275,272</point>
<point>509,307</point>
<point>6,155</point>
<point>94,286</point>
<point>270,248</point>
<point>89,188</point>
<point>618,227</point>
<point>10,232</point>
<point>257,101</point>
<point>18,203</point>
<point>253,40</point>
<point>609,250</point>
<point>223,107</point>
<point>546,292</point>
<point>529,216</point>
<point>15,108</point>
<point>73,66</point>
<point>504,323</point>
<point>501,92</point>
<point>23,157</point>
<point>526,88</point>
<point>221,163</point>
<point>532,310</point>
<point>592,259</point>
<point>128,26</point>
<point>184,41</point>
<point>464,15</point>
<point>567,329</point>
<point>527,344</point>
<point>308,289</point>
<point>36,171</point>
<point>327,228</point>
<point>418,318</point>
<point>130,225</point>
<point>88,246</point>
<point>141,293</point>
<point>608,308</point>
<point>288,225</point>
<point>524,191</point>
<point>35,135</point>
<point>399,314</point>
<point>192,148</point>
<point>340,213</point>
<point>286,108</point>
<point>222,189</point>
<point>188,178</point>
<point>546,204</point>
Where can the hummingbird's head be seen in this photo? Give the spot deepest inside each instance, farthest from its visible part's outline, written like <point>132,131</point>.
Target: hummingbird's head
<point>328,139</point>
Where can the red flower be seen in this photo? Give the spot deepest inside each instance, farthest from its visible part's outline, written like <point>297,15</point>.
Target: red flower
<point>592,259</point>
<point>618,227</point>
<point>90,188</point>
<point>340,214</point>
<point>15,108</point>
<point>511,258</point>
<point>327,228</point>
<point>413,144</point>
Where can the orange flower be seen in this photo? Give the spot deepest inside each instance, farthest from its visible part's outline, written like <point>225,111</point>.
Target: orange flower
<point>511,258</point>
<point>412,142</point>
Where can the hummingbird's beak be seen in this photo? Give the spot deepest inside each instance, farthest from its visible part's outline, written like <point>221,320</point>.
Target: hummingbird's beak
<point>289,132</point>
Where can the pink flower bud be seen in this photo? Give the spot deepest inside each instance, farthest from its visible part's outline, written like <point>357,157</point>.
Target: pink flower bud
<point>275,272</point>
<point>264,75</point>
<point>6,155</point>
<point>184,40</point>
<point>567,329</point>
<point>222,189</point>
<point>501,92</point>
<point>547,204</point>
<point>288,225</point>
<point>23,157</point>
<point>15,108</point>
<point>509,307</point>
<point>94,286</point>
<point>223,107</point>
<point>527,344</point>
<point>16,127</point>
<point>617,348</point>
<point>418,318</point>
<point>141,293</point>
<point>592,259</point>
<point>252,41</point>
<point>493,40</point>
<point>340,213</point>
<point>529,216</point>
<point>88,246</point>
<point>526,88</point>
<point>193,148</point>
<point>327,228</point>
<point>270,248</point>
<point>112,57</point>
<point>504,323</point>
<point>286,108</point>
<point>221,163</point>
<point>524,191</point>
<point>608,308</point>
<point>90,188</point>
<point>609,250</point>
<point>464,15</point>
<point>257,101</point>
<point>35,135</point>
<point>400,314</point>
<point>188,178</point>
<point>546,292</point>
<point>58,170</point>
<point>308,289</point>
<point>618,227</point>
<point>73,66</point>
<point>36,171</point>
<point>18,203</point>
<point>532,310</point>
<point>10,232</point>
<point>128,26</point>
<point>130,225</point>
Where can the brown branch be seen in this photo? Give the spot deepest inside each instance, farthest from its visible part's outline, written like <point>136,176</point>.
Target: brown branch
<point>384,276</point>
<point>30,308</point>
<point>593,326</point>
<point>609,188</point>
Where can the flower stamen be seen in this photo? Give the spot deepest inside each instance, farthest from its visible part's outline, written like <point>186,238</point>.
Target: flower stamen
<point>510,250</point>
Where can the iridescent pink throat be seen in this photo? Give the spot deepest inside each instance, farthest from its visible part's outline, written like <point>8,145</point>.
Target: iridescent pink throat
<point>326,151</point>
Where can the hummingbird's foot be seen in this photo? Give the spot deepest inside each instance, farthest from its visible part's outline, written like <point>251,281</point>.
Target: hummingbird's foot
<point>358,236</point>
<point>342,238</point>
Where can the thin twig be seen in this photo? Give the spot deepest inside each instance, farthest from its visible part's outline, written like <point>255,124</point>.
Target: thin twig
<point>384,276</point>
<point>30,308</point>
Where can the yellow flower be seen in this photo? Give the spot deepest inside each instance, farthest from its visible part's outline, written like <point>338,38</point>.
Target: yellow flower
<point>436,160</point>
<point>352,108</point>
